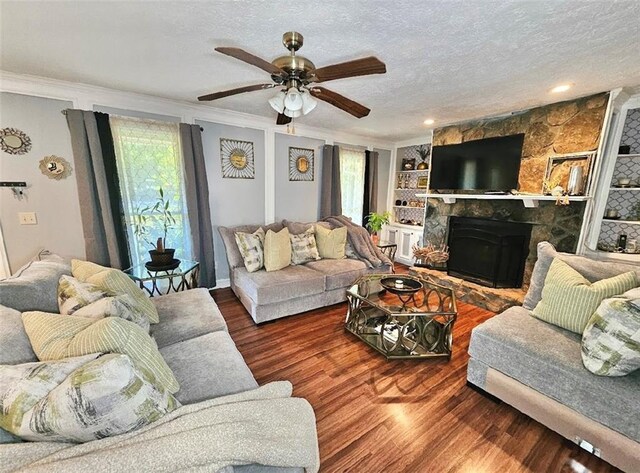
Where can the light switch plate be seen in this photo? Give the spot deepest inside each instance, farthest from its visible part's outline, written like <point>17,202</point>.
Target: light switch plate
<point>27,218</point>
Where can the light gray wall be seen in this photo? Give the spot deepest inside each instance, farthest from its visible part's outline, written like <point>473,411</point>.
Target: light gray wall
<point>384,161</point>
<point>56,204</point>
<point>232,201</point>
<point>297,201</point>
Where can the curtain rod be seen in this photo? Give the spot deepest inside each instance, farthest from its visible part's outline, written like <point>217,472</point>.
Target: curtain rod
<point>64,112</point>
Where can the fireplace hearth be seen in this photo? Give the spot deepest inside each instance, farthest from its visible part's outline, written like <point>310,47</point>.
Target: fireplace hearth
<point>488,252</point>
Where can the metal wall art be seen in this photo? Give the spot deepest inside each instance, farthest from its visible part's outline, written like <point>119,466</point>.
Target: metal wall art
<point>300,164</point>
<point>55,167</point>
<point>14,141</point>
<point>237,159</point>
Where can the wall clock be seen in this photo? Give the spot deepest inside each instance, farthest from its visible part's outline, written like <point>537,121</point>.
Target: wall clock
<point>14,141</point>
<point>300,164</point>
<point>237,159</point>
<point>55,167</point>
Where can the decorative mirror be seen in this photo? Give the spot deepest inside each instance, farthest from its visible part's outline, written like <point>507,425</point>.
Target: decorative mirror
<point>300,164</point>
<point>237,159</point>
<point>14,141</point>
<point>55,167</point>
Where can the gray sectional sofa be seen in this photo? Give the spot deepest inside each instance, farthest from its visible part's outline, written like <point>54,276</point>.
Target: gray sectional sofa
<point>537,368</point>
<point>192,337</point>
<point>294,289</point>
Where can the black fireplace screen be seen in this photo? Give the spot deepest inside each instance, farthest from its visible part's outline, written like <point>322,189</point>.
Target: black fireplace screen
<point>488,252</point>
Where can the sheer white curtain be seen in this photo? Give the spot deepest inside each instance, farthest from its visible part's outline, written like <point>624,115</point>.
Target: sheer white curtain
<point>149,158</point>
<point>352,164</point>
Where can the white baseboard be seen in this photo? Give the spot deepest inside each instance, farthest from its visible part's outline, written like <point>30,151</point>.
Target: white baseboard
<point>220,283</point>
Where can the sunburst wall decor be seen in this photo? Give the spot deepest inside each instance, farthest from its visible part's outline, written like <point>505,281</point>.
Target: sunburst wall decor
<point>14,141</point>
<point>300,164</point>
<point>55,167</point>
<point>237,159</point>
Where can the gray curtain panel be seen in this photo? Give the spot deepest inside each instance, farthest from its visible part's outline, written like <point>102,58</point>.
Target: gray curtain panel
<point>373,181</point>
<point>197,194</point>
<point>330,193</point>
<point>102,227</point>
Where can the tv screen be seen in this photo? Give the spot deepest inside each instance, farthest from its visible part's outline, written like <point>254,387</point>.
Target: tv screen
<point>491,164</point>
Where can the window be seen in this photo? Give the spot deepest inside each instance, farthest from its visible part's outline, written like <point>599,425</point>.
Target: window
<point>149,158</point>
<point>352,183</point>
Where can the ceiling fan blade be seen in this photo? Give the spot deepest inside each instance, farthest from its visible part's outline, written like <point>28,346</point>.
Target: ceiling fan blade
<point>282,119</point>
<point>358,67</point>
<point>251,59</point>
<point>340,101</point>
<point>239,90</point>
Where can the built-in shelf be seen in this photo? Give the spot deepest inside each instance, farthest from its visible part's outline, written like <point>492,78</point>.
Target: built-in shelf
<point>406,225</point>
<point>625,189</point>
<point>412,170</point>
<point>529,201</point>
<point>409,189</point>
<point>629,156</point>
<point>406,207</point>
<point>619,220</point>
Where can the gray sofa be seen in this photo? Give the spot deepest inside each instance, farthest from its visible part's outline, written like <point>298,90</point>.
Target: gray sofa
<point>294,289</point>
<point>537,368</point>
<point>191,336</point>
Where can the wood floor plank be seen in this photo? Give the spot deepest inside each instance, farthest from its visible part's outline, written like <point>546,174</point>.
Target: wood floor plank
<point>397,416</point>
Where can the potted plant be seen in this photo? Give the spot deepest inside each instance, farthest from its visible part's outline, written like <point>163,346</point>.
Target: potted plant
<point>142,220</point>
<point>423,151</point>
<point>375,221</point>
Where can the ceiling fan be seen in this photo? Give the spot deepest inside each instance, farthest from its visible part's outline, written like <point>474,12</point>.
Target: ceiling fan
<point>297,76</point>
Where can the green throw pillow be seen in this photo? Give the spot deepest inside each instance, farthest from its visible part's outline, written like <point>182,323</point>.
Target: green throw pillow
<point>54,337</point>
<point>611,341</point>
<point>251,247</point>
<point>277,250</point>
<point>304,247</point>
<point>79,399</point>
<point>332,244</point>
<point>569,300</point>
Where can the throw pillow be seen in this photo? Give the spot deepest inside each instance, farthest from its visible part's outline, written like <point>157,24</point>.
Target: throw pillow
<point>251,248</point>
<point>54,337</point>
<point>73,294</point>
<point>304,247</point>
<point>331,243</point>
<point>79,399</point>
<point>277,250</point>
<point>115,282</point>
<point>123,306</point>
<point>569,300</point>
<point>611,340</point>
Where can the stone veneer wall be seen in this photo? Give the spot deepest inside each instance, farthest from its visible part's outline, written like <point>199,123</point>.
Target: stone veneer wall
<point>566,127</point>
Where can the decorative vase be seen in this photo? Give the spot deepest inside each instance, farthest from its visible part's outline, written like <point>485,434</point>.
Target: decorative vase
<point>162,258</point>
<point>422,166</point>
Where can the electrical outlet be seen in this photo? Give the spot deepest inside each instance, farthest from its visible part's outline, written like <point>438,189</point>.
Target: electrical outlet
<point>27,218</point>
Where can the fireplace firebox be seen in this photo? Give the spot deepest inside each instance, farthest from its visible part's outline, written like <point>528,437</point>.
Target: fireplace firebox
<point>488,252</point>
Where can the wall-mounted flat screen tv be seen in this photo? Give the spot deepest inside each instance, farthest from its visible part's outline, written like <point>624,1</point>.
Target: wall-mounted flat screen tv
<point>490,164</point>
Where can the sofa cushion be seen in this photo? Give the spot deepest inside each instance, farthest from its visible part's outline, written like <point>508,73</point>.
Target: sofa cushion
<point>592,270</point>
<point>42,274</point>
<point>339,273</point>
<point>73,294</point>
<point>123,306</point>
<point>331,243</point>
<point>296,228</point>
<point>208,366</point>
<point>15,346</point>
<point>277,250</point>
<point>251,247</point>
<point>547,359</point>
<point>569,300</point>
<point>228,238</point>
<point>304,247</point>
<point>277,286</point>
<point>186,315</point>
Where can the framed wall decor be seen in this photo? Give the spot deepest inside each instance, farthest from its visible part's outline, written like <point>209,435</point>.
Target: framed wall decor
<point>301,164</point>
<point>559,169</point>
<point>14,141</point>
<point>55,167</point>
<point>423,182</point>
<point>237,159</point>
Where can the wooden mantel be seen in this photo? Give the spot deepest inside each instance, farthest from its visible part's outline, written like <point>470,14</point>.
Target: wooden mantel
<point>529,200</point>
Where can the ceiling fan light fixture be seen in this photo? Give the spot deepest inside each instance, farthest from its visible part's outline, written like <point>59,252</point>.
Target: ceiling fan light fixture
<point>308,102</point>
<point>293,99</point>
<point>277,102</point>
<point>292,113</point>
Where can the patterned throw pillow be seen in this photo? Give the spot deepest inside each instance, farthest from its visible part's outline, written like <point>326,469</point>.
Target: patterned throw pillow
<point>123,306</point>
<point>569,300</point>
<point>54,337</point>
<point>611,341</point>
<point>115,282</point>
<point>79,399</point>
<point>73,294</point>
<point>331,243</point>
<point>251,248</point>
<point>277,250</point>
<point>304,247</point>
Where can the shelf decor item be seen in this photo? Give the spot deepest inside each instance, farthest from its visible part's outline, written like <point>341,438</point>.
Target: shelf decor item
<point>300,164</point>
<point>408,164</point>
<point>55,167</point>
<point>425,153</point>
<point>237,159</point>
<point>559,169</point>
<point>423,182</point>
<point>14,141</point>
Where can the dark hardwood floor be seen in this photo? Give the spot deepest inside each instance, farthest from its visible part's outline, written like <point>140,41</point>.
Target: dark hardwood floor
<point>375,415</point>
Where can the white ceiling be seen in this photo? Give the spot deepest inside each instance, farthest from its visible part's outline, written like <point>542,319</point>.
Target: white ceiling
<point>448,60</point>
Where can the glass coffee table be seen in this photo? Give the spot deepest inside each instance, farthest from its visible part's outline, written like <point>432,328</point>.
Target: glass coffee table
<point>409,320</point>
<point>158,283</point>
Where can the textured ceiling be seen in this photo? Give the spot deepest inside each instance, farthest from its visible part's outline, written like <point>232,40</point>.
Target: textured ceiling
<point>448,60</point>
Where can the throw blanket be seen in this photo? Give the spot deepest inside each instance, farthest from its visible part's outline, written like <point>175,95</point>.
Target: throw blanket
<point>360,241</point>
<point>265,426</point>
